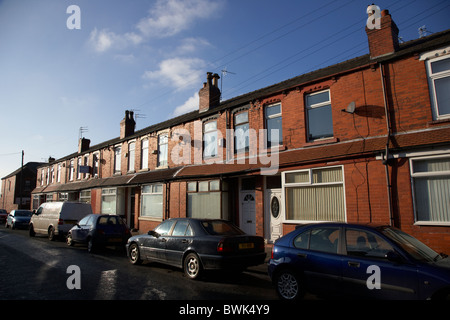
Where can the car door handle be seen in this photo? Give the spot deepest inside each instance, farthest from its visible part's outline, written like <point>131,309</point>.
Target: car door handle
<point>353,264</point>
<point>301,255</point>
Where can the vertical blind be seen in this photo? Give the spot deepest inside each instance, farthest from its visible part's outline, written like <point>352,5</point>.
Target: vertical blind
<point>321,199</point>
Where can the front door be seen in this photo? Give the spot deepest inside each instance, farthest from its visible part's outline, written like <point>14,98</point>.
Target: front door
<point>248,213</point>
<point>273,210</point>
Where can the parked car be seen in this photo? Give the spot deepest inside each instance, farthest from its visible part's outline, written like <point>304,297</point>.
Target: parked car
<point>357,260</point>
<point>3,215</point>
<point>18,219</point>
<point>97,230</point>
<point>55,219</point>
<point>196,245</point>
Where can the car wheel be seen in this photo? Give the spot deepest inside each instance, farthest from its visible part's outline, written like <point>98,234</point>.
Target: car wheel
<point>31,231</point>
<point>69,240</point>
<point>91,245</point>
<point>51,234</point>
<point>288,285</point>
<point>192,266</point>
<point>134,254</point>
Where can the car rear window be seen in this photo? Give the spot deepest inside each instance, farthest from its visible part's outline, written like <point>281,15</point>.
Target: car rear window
<point>216,227</point>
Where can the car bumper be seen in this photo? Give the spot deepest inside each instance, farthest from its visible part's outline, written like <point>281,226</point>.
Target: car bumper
<point>232,262</point>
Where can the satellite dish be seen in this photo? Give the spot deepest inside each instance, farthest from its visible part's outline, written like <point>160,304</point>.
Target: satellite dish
<point>350,108</point>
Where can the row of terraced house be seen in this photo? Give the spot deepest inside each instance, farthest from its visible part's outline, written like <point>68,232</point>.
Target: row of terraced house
<point>366,140</point>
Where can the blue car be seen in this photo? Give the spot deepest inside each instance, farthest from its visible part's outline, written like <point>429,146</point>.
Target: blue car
<point>96,230</point>
<point>18,219</point>
<point>369,262</point>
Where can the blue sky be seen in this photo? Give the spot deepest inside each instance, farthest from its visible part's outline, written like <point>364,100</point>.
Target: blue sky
<point>152,56</point>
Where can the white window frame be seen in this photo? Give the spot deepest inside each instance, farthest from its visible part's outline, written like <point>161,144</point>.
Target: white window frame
<point>425,174</point>
<point>117,159</point>
<point>152,191</point>
<point>317,106</point>
<point>131,155</point>
<point>144,153</point>
<point>285,185</point>
<point>267,118</point>
<point>431,79</point>
<point>163,150</point>
<point>206,144</point>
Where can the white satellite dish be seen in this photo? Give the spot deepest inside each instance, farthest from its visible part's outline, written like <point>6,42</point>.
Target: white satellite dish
<point>350,108</point>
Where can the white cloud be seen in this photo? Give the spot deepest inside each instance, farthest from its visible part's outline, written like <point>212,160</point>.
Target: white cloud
<point>170,17</point>
<point>104,40</point>
<point>180,73</point>
<point>190,105</point>
<point>190,45</point>
<point>166,18</point>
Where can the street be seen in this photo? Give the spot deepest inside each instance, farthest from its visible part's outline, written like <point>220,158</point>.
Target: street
<point>38,269</point>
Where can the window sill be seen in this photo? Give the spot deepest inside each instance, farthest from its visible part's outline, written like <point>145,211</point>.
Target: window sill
<point>438,121</point>
<point>432,223</point>
<point>150,219</point>
<point>320,142</point>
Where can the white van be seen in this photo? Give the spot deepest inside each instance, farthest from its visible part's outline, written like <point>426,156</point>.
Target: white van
<point>57,218</point>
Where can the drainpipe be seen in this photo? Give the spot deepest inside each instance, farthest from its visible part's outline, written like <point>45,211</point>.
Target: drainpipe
<point>386,157</point>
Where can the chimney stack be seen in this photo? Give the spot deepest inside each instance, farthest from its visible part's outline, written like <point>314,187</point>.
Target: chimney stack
<point>127,125</point>
<point>382,36</point>
<point>83,145</point>
<point>209,95</point>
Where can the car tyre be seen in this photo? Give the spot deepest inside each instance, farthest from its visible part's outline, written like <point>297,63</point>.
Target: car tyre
<point>91,245</point>
<point>51,234</point>
<point>31,231</point>
<point>134,254</point>
<point>288,285</point>
<point>69,240</point>
<point>192,266</point>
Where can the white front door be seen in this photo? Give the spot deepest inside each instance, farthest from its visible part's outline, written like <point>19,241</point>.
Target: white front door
<point>273,219</point>
<point>248,213</point>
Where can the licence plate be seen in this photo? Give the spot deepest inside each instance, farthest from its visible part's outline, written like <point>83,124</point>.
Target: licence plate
<point>246,245</point>
<point>71,221</point>
<point>114,240</point>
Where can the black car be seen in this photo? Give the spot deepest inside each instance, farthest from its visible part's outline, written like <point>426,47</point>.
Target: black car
<point>99,230</point>
<point>196,245</point>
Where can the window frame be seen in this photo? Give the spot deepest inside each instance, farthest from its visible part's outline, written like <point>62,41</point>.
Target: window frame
<point>428,174</point>
<point>245,135</point>
<point>210,132</point>
<point>310,183</point>
<point>316,106</point>
<point>163,159</point>
<point>153,191</point>
<point>117,160</point>
<point>131,156</point>
<point>272,117</point>
<point>432,77</point>
<point>144,153</point>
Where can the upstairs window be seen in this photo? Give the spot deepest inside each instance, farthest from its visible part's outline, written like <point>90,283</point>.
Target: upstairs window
<point>131,156</point>
<point>273,125</point>
<point>439,79</point>
<point>163,140</point>
<point>117,159</point>
<point>144,154</point>
<point>241,136</point>
<point>318,115</point>
<point>210,148</point>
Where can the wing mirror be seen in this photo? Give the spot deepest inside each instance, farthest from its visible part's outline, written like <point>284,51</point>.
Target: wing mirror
<point>394,257</point>
<point>153,233</point>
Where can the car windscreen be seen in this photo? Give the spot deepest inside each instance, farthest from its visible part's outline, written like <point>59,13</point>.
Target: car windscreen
<point>414,247</point>
<point>23,214</point>
<point>218,227</point>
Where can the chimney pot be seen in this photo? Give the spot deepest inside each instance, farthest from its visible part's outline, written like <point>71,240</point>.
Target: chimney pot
<point>209,95</point>
<point>384,39</point>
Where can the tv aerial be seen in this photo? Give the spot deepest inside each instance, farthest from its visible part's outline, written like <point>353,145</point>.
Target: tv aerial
<point>224,73</point>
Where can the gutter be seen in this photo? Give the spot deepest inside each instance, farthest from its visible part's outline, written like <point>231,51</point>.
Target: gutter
<point>386,156</point>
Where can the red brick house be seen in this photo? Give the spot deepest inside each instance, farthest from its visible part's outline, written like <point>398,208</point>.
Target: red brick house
<point>365,140</point>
